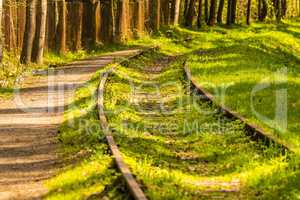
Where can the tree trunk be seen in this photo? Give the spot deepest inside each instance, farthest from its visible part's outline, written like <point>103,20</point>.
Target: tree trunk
<point>166,12</point>
<point>278,10</point>
<point>264,11</point>
<point>233,11</point>
<point>140,18</point>
<point>186,7</point>
<point>96,21</point>
<point>284,8</point>
<point>61,28</point>
<point>1,34</point>
<point>212,11</point>
<point>123,20</point>
<point>229,6</point>
<point>206,11</point>
<point>29,31</point>
<point>155,15</point>
<point>41,33</point>
<point>77,32</point>
<point>107,21</point>
<point>199,19</point>
<point>259,9</point>
<point>220,12</point>
<point>190,14</point>
<point>176,12</point>
<point>248,12</point>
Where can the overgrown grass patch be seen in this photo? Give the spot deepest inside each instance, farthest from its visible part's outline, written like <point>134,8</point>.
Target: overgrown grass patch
<point>90,172</point>
<point>169,154</point>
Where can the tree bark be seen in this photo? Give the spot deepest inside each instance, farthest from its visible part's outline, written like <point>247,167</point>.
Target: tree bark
<point>96,21</point>
<point>186,7</point>
<point>233,11</point>
<point>107,21</point>
<point>264,11</point>
<point>155,15</point>
<point>278,10</point>
<point>190,14</point>
<point>77,32</point>
<point>206,11</point>
<point>199,18</point>
<point>166,12</point>
<point>212,17</point>
<point>229,6</point>
<point>248,12</point>
<point>259,9</point>
<point>1,34</point>
<point>140,18</point>
<point>41,33</point>
<point>61,27</point>
<point>176,12</point>
<point>123,20</point>
<point>29,31</point>
<point>220,12</point>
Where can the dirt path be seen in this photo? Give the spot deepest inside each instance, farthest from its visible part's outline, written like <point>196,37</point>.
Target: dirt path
<point>29,124</point>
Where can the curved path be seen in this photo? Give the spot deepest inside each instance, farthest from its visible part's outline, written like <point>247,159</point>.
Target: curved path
<point>30,122</point>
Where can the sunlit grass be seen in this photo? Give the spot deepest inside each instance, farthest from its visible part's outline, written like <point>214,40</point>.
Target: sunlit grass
<point>90,172</point>
<point>172,166</point>
<point>173,158</point>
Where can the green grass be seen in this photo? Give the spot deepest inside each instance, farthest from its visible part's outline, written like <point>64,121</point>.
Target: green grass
<point>175,154</point>
<point>90,172</point>
<point>235,60</point>
<point>174,166</point>
<point>233,68</point>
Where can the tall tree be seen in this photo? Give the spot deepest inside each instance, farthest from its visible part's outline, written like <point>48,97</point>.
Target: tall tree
<point>186,7</point>
<point>206,11</point>
<point>199,18</point>
<point>29,31</point>
<point>41,33</point>
<point>96,21</point>
<point>233,11</point>
<point>248,12</point>
<point>176,12</point>
<point>77,30</point>
<point>278,10</point>
<point>61,27</point>
<point>190,14</point>
<point>122,20</point>
<point>140,17</point>
<point>262,10</point>
<point>259,9</point>
<point>107,21</point>
<point>1,35</point>
<point>229,7</point>
<point>220,11</point>
<point>212,11</point>
<point>155,14</point>
<point>166,11</point>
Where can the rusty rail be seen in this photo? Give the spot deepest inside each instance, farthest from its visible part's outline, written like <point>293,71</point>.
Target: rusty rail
<point>132,184</point>
<point>254,131</point>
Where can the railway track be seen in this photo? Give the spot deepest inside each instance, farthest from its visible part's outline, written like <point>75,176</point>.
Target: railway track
<point>150,118</point>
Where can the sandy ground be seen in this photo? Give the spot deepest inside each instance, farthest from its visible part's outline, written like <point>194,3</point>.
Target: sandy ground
<point>29,123</point>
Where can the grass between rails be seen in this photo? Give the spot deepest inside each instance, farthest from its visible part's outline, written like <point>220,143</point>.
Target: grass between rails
<point>90,172</point>
<point>173,158</point>
<point>245,68</point>
<point>268,178</point>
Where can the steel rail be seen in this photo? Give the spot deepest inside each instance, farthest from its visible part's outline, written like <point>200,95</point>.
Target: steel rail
<point>254,131</point>
<point>132,184</point>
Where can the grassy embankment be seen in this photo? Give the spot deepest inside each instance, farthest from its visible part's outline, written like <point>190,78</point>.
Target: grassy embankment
<point>237,59</point>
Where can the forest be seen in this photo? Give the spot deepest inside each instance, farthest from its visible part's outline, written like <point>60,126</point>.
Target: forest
<point>149,99</point>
